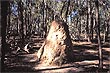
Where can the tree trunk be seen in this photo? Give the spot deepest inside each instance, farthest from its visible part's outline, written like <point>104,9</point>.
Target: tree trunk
<point>98,34</point>
<point>79,29</point>
<point>4,8</point>
<point>22,24</point>
<point>57,48</point>
<point>91,28</point>
<point>104,32</point>
<point>67,10</point>
<point>8,19</point>
<point>88,20</point>
<point>44,17</point>
<point>61,13</point>
<point>107,30</point>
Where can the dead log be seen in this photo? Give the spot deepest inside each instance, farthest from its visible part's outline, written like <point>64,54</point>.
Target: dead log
<point>57,48</point>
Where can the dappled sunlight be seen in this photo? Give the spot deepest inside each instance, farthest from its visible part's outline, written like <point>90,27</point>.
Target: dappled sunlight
<point>85,46</point>
<point>64,68</point>
<point>88,62</point>
<point>92,62</point>
<point>106,49</point>
<point>91,51</point>
<point>73,67</point>
<point>81,43</point>
<point>58,69</point>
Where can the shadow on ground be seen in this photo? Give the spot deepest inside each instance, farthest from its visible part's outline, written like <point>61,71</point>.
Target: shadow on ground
<point>85,60</point>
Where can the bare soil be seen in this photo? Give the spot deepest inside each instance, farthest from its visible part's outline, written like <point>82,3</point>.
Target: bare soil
<point>85,60</point>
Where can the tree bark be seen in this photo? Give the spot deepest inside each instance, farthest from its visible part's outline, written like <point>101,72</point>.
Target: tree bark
<point>22,24</point>
<point>8,19</point>
<point>4,8</point>
<point>88,20</point>
<point>44,27</point>
<point>91,28</point>
<point>67,10</point>
<point>98,34</point>
<point>107,30</point>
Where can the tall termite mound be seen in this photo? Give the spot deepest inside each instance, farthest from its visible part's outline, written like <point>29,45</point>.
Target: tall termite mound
<point>57,48</point>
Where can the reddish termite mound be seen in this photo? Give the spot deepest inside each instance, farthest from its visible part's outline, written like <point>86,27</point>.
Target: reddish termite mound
<point>57,48</point>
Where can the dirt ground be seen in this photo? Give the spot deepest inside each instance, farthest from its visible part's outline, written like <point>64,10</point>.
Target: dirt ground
<point>85,60</point>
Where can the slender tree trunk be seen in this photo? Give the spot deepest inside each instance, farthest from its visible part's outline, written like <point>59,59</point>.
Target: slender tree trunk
<point>67,10</point>
<point>98,34</point>
<point>17,25</point>
<point>88,20</point>
<point>4,8</point>
<point>107,30</point>
<point>45,17</point>
<point>25,19</point>
<point>30,19</point>
<point>28,23</point>
<point>104,32</point>
<point>79,29</point>
<point>8,19</point>
<point>94,27</point>
<point>89,11</point>
<point>43,25</point>
<point>61,13</point>
<point>77,34</point>
<point>22,24</point>
<point>91,29</point>
<point>87,23</point>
